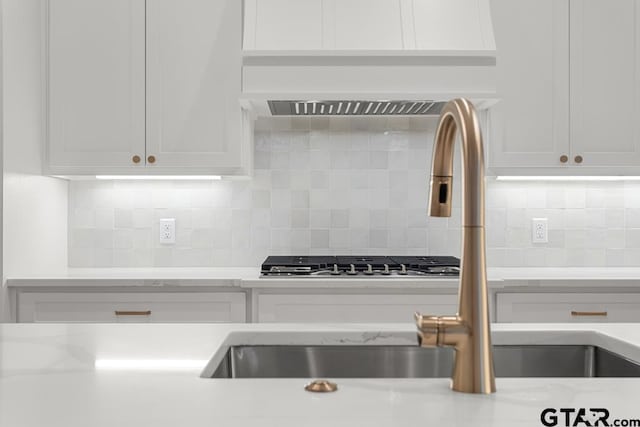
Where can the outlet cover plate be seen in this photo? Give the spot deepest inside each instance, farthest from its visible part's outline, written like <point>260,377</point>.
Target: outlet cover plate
<point>167,231</point>
<point>539,230</point>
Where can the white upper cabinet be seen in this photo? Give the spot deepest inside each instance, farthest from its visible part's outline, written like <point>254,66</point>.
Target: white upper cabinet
<point>146,87</point>
<point>605,82</point>
<point>193,83</point>
<point>529,127</point>
<point>96,75</point>
<point>569,79</point>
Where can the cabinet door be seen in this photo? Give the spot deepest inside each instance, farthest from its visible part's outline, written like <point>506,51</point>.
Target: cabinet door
<point>351,308</point>
<point>605,82</point>
<point>529,126</point>
<point>95,70</point>
<point>174,307</point>
<point>193,84</point>
<point>567,307</point>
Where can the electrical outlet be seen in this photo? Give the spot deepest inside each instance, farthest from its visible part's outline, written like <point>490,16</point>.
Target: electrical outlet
<point>167,231</point>
<point>539,230</point>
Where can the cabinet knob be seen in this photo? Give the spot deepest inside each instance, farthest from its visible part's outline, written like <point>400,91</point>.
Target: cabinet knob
<point>136,159</point>
<point>564,158</point>
<point>578,159</point>
<point>151,159</point>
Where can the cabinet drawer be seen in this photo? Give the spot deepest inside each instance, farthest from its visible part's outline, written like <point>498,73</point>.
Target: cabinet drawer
<point>351,308</point>
<point>568,307</point>
<point>132,307</point>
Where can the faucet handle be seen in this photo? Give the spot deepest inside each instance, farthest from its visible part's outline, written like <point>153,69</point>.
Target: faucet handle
<point>427,329</point>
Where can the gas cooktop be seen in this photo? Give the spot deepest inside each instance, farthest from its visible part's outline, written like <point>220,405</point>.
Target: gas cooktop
<point>353,266</point>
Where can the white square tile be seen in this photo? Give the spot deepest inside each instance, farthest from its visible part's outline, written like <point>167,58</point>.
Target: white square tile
<point>280,179</point>
<point>418,238</point>
<point>260,238</point>
<point>536,197</point>
<point>556,198</point>
<point>319,180</point>
<point>261,218</point>
<point>632,218</point>
<point>240,219</point>
<point>614,239</point>
<point>338,239</point>
<point>595,197</point>
<point>575,197</point>
<point>340,159</point>
<point>300,240</point>
<point>300,218</point>
<point>339,218</point>
<point>319,238</point>
<point>281,218</point>
<point>300,199</point>
<point>81,238</point>
<point>141,239</point>
<point>379,160</point>
<point>300,180</point>
<point>123,239</point>
<point>595,218</point>
<point>378,238</point>
<point>359,160</point>
<point>397,238</point>
<point>104,218</point>
<point>319,199</point>
<point>632,238</point>
<point>123,218</point>
<point>359,238</point>
<point>82,218</point>
<point>614,218</point>
<point>261,199</point>
<point>319,218</point>
<point>280,160</point>
<point>359,180</point>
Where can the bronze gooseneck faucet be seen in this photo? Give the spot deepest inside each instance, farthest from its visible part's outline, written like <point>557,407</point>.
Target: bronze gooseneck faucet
<point>469,330</point>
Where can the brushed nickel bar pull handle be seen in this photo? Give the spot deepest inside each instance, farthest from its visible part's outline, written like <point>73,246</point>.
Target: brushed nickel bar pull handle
<point>589,313</point>
<point>133,313</point>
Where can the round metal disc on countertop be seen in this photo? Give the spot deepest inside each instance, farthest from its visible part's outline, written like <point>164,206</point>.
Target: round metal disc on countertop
<point>321,386</point>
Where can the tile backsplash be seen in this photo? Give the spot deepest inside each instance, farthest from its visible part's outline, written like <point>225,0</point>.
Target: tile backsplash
<point>341,186</point>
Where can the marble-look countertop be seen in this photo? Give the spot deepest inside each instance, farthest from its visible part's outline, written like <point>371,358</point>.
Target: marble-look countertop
<point>249,277</point>
<point>78,375</point>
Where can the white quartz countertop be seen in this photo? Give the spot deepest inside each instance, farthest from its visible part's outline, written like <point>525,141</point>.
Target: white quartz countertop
<point>78,375</point>
<point>249,277</point>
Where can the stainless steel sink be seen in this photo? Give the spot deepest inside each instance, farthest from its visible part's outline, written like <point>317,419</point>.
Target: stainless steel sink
<point>416,362</point>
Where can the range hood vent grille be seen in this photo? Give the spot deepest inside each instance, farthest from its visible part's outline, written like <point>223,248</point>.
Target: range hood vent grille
<point>355,108</point>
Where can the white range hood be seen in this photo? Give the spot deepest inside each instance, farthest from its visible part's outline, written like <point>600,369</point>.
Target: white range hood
<point>366,57</point>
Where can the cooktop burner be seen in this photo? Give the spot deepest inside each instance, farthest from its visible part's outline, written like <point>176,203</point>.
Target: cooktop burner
<point>371,265</point>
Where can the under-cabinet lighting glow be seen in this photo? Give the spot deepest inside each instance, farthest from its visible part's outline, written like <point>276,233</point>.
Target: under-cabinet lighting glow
<point>568,178</point>
<point>149,364</point>
<point>162,177</point>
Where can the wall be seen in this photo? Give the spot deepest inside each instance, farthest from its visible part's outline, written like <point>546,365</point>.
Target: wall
<point>35,207</point>
<point>341,186</point>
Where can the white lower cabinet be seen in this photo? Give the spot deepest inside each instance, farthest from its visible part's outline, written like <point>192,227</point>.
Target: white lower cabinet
<point>568,307</point>
<point>132,307</point>
<point>350,308</point>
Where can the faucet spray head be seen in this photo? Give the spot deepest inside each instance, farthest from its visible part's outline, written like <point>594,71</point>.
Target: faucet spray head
<point>440,196</point>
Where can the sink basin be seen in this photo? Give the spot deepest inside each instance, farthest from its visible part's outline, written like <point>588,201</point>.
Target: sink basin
<point>415,362</point>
